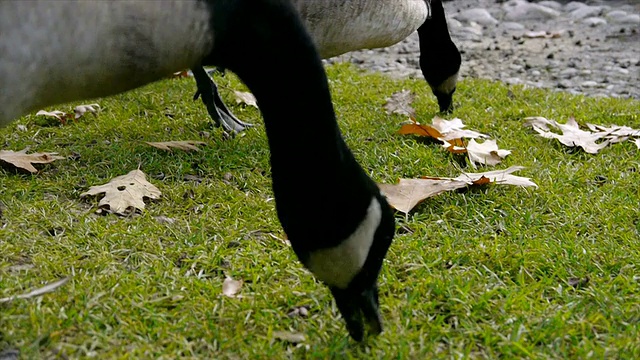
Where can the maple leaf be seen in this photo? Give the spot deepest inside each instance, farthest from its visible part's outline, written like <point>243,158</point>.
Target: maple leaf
<point>185,145</point>
<point>571,135</point>
<point>247,98</point>
<point>22,160</point>
<point>408,193</point>
<point>485,153</point>
<point>400,103</point>
<point>124,193</point>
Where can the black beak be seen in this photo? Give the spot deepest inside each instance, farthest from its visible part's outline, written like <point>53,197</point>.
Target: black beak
<point>354,305</point>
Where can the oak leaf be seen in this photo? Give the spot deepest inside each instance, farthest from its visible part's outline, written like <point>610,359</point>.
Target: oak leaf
<point>590,141</point>
<point>485,153</point>
<point>408,193</point>
<point>247,98</point>
<point>441,129</point>
<point>400,103</point>
<point>186,145</point>
<point>454,129</point>
<point>22,160</point>
<point>125,193</point>
<point>615,133</point>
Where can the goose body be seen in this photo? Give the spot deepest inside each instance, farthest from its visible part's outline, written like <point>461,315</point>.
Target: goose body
<point>341,26</point>
<point>55,52</point>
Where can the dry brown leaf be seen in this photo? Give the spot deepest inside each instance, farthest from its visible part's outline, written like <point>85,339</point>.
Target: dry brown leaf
<point>451,131</point>
<point>186,145</point>
<point>454,129</point>
<point>400,103</point>
<point>408,193</point>
<point>230,287</point>
<point>180,74</point>
<point>502,177</point>
<point>82,109</point>
<point>37,292</point>
<point>485,153</point>
<point>125,193</point>
<point>615,133</point>
<point>415,128</point>
<point>22,160</point>
<point>245,98</point>
<point>288,336</point>
<point>57,114</point>
<point>571,135</point>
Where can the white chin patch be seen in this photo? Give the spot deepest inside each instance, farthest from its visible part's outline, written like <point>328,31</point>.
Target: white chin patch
<point>447,86</point>
<point>338,265</point>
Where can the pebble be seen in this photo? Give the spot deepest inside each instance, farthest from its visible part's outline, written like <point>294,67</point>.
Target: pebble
<point>477,15</point>
<point>583,48</point>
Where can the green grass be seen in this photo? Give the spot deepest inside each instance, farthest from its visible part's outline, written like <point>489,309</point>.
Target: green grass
<point>478,274</point>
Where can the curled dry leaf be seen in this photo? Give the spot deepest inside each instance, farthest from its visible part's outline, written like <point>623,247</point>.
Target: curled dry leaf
<point>502,177</point>
<point>247,98</point>
<point>485,153</point>
<point>22,160</point>
<point>125,193</point>
<point>181,74</point>
<point>454,129</point>
<point>451,131</point>
<point>408,193</point>
<point>186,145</point>
<point>82,109</point>
<point>288,336</point>
<point>615,133</point>
<point>37,292</point>
<point>57,114</point>
<point>400,103</point>
<point>590,141</point>
<point>230,287</point>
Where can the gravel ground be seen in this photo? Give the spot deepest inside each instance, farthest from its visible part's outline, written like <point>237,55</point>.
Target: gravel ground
<point>590,47</point>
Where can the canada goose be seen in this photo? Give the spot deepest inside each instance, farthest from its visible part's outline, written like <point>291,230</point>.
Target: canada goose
<point>341,26</point>
<point>337,221</point>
